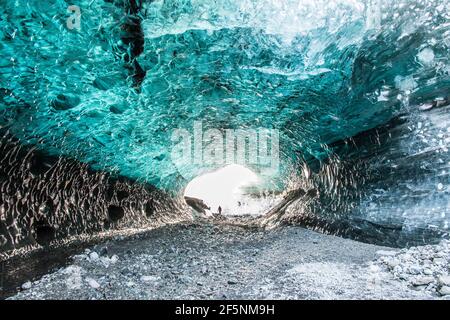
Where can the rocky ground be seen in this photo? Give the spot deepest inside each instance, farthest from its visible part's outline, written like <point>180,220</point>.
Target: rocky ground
<point>222,261</point>
<point>424,268</point>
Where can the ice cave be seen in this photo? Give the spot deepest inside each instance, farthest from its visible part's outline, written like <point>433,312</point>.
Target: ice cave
<point>231,120</point>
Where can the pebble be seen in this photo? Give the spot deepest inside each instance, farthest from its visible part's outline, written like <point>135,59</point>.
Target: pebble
<point>374,268</point>
<point>94,284</point>
<point>403,276</point>
<point>26,285</point>
<point>421,281</point>
<point>406,257</point>
<point>149,278</point>
<point>93,256</point>
<point>445,290</point>
<point>104,251</point>
<point>428,272</point>
<point>415,270</point>
<point>398,269</point>
<point>114,259</point>
<point>393,263</point>
<point>386,253</point>
<point>444,281</point>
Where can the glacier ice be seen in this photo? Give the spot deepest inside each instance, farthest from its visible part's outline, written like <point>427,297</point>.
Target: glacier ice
<point>345,95</point>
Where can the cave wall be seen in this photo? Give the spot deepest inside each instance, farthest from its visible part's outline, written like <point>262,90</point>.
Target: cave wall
<point>388,185</point>
<point>45,198</point>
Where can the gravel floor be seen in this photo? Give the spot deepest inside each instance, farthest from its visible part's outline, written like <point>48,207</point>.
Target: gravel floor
<point>220,261</point>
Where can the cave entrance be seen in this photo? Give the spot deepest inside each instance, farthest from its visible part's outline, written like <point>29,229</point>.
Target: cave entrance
<point>231,187</point>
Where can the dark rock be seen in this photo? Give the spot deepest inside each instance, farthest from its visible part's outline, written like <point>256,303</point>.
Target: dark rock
<point>197,204</point>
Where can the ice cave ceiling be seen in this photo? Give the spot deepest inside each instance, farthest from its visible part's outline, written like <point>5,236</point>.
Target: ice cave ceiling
<point>111,92</point>
<point>316,77</point>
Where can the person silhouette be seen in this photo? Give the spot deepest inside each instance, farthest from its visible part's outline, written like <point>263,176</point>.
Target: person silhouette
<point>220,210</point>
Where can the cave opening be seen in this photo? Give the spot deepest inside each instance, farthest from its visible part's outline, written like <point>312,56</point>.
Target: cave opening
<point>234,188</point>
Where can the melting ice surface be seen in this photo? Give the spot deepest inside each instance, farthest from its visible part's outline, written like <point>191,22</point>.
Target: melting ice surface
<point>320,72</point>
